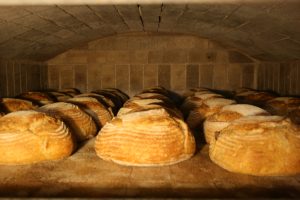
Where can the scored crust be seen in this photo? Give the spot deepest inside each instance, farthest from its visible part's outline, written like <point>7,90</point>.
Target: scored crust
<point>258,145</point>
<point>218,121</point>
<point>207,108</point>
<point>145,138</point>
<point>12,104</point>
<point>282,105</point>
<point>30,136</point>
<point>100,114</point>
<point>80,123</point>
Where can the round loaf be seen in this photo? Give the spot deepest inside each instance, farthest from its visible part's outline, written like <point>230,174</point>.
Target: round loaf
<point>258,145</point>
<point>254,97</point>
<point>80,123</point>
<point>30,136</point>
<point>39,98</point>
<point>220,120</point>
<point>136,105</point>
<point>120,93</point>
<point>109,104</point>
<point>207,108</point>
<point>195,101</point>
<point>12,105</point>
<point>282,105</point>
<point>60,96</point>
<point>191,91</point>
<point>145,138</point>
<point>71,91</point>
<point>100,114</point>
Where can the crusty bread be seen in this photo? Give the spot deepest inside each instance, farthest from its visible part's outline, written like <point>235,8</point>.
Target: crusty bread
<point>118,92</point>
<point>71,91</point>
<point>60,96</point>
<point>80,123</point>
<point>208,107</point>
<point>30,136</point>
<point>242,90</point>
<point>282,105</point>
<point>218,121</point>
<point>103,100</point>
<point>196,100</point>
<point>165,99</point>
<point>114,97</point>
<point>100,114</point>
<point>256,98</point>
<point>40,98</point>
<point>135,105</point>
<point>192,91</point>
<point>258,145</point>
<point>145,138</point>
<point>12,104</point>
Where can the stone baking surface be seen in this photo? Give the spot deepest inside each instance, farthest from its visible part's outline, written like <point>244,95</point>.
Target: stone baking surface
<point>85,175</point>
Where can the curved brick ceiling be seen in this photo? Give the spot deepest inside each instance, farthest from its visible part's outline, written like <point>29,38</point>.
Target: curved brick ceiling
<point>267,31</point>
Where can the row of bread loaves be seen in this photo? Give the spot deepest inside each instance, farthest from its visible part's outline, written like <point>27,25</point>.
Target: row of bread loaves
<point>246,139</point>
<point>29,133</point>
<point>148,130</point>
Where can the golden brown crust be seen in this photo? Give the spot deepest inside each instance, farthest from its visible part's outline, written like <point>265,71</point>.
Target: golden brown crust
<point>60,96</point>
<point>80,123</point>
<point>254,97</point>
<point>258,145</point>
<point>100,114</point>
<point>146,138</point>
<point>136,105</point>
<point>192,102</point>
<point>71,91</point>
<point>102,99</point>
<point>282,105</point>
<point>30,136</point>
<point>218,121</point>
<point>40,98</point>
<point>207,108</point>
<point>11,105</point>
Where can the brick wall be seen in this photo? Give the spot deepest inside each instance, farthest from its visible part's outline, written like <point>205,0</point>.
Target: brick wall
<point>21,76</point>
<point>135,61</point>
<point>283,77</point>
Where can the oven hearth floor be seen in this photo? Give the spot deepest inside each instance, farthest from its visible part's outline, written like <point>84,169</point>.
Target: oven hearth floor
<point>85,175</point>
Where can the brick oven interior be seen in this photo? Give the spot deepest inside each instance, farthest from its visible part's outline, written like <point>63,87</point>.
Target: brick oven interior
<point>222,45</point>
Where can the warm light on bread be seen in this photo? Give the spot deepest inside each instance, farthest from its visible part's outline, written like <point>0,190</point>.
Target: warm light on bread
<point>258,145</point>
<point>12,104</point>
<point>218,121</point>
<point>80,123</point>
<point>30,136</point>
<point>145,138</point>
